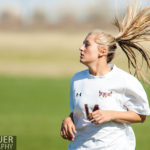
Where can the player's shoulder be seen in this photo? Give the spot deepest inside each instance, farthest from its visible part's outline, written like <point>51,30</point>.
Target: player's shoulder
<point>127,77</point>
<point>80,75</point>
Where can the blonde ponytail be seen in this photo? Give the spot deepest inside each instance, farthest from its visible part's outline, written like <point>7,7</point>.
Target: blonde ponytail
<point>134,28</point>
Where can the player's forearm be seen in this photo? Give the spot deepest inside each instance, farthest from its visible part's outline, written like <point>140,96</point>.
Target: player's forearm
<point>127,117</point>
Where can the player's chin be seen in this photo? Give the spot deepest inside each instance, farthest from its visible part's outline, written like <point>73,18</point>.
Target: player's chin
<point>83,61</point>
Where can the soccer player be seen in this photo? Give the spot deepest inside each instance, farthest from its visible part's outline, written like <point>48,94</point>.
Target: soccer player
<point>104,99</point>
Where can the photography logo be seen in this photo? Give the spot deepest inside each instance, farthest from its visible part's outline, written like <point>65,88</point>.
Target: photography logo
<point>7,142</point>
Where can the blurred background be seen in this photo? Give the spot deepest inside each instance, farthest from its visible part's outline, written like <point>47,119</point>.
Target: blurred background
<point>39,53</point>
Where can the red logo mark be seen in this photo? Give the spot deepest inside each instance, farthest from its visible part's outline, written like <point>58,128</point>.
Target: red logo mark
<point>104,94</point>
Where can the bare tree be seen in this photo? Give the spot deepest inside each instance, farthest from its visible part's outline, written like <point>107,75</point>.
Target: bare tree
<point>11,18</point>
<point>98,13</point>
<point>39,16</point>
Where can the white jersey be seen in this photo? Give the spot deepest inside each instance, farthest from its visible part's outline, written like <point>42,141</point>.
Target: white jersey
<point>117,90</point>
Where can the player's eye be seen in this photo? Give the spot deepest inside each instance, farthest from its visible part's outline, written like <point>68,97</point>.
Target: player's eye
<point>87,44</point>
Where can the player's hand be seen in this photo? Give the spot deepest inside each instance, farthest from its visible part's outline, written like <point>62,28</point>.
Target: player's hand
<point>67,129</point>
<point>101,116</point>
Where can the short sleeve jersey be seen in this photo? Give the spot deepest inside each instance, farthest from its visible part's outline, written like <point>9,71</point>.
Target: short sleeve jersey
<point>118,91</point>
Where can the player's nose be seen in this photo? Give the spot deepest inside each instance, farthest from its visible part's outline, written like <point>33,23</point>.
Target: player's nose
<point>81,48</point>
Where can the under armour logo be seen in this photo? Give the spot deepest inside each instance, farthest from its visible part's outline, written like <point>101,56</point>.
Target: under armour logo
<point>78,94</point>
<point>105,94</point>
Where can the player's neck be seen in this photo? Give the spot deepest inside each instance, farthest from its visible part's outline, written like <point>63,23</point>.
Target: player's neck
<point>99,69</point>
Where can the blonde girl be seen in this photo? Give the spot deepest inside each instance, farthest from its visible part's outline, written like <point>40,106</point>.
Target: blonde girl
<point>104,99</point>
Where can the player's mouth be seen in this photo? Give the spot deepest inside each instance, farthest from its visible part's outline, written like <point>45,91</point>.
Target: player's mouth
<point>81,55</point>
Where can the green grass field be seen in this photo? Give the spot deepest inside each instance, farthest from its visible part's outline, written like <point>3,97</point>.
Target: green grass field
<point>35,71</point>
<point>33,109</point>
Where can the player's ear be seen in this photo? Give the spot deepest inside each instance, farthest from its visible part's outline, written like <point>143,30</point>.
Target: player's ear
<point>103,51</point>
